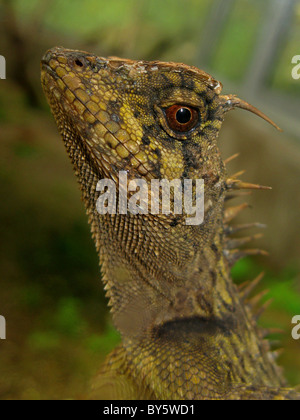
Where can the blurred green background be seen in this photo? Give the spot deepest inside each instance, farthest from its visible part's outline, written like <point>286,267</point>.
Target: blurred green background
<point>58,325</point>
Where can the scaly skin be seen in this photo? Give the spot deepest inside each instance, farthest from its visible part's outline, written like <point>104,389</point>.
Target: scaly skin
<point>186,331</point>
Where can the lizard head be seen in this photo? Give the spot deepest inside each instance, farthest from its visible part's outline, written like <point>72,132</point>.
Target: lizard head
<point>153,120</point>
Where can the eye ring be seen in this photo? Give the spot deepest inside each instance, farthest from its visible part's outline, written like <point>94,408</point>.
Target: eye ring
<point>182,118</point>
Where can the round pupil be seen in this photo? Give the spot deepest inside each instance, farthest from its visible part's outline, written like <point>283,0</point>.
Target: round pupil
<point>183,115</point>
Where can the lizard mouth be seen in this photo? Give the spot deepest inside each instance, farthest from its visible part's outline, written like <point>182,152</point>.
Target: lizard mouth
<point>46,69</point>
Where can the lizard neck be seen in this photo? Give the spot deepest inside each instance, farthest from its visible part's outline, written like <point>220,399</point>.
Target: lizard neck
<point>171,294</point>
<point>155,270</point>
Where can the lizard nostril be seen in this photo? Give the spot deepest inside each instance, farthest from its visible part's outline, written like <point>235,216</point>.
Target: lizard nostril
<point>78,63</point>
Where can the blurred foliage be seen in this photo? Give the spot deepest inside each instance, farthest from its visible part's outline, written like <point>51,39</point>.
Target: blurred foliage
<point>282,73</point>
<point>123,27</point>
<point>282,286</point>
<point>141,29</point>
<point>283,292</point>
<point>238,39</point>
<point>57,318</point>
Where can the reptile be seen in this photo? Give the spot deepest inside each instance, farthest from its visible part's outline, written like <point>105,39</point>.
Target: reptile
<point>187,331</point>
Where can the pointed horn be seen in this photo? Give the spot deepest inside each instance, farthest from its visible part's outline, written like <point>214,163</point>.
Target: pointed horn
<point>232,101</point>
<point>251,286</point>
<point>262,309</point>
<point>232,212</point>
<point>236,184</point>
<point>229,230</point>
<point>229,159</point>
<point>238,242</point>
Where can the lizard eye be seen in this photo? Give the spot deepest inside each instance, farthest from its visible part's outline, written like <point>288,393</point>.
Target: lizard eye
<point>181,117</point>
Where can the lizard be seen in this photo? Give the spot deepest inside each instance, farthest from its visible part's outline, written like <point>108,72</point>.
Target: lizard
<point>187,331</point>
